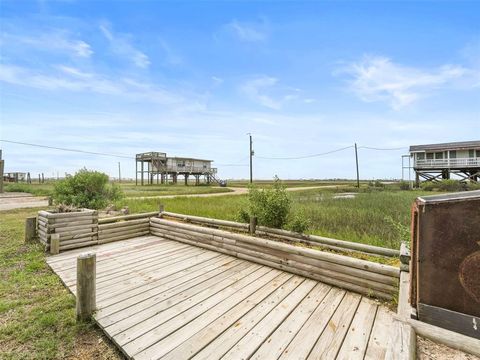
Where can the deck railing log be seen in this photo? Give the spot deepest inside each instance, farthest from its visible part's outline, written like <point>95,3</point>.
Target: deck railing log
<point>353,274</point>
<point>313,240</point>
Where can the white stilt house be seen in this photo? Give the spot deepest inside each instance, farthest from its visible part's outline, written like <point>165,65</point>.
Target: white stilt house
<point>157,165</point>
<point>433,162</point>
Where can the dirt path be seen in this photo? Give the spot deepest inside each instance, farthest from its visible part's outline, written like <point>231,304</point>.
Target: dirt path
<point>10,201</point>
<point>235,191</point>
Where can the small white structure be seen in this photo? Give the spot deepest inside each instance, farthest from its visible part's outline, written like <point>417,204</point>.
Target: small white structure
<point>434,161</point>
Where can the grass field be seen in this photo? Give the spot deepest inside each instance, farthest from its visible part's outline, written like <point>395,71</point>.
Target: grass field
<point>129,189</point>
<point>37,313</point>
<point>379,218</point>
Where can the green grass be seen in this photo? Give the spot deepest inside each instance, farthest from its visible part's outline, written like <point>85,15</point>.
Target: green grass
<point>34,189</point>
<point>375,217</point>
<point>37,313</point>
<point>131,190</point>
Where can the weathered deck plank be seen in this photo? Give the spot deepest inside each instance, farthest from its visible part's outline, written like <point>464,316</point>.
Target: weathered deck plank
<point>158,298</point>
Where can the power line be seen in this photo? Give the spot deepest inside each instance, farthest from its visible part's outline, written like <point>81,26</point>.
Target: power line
<point>66,149</point>
<point>306,156</point>
<point>382,149</point>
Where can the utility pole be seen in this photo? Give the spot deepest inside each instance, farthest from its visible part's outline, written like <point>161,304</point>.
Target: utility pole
<point>356,161</point>
<point>1,171</point>
<point>251,160</point>
<point>119,173</point>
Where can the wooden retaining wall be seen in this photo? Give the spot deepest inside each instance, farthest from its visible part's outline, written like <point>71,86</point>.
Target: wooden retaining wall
<point>76,229</point>
<point>290,236</point>
<point>361,276</point>
<point>84,228</point>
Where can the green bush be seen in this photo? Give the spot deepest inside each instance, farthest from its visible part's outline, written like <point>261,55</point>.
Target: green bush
<point>86,189</point>
<point>404,185</point>
<point>473,186</point>
<point>445,185</point>
<point>299,223</point>
<point>271,206</point>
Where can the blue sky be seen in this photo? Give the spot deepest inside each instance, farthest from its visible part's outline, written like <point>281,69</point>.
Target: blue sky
<point>193,78</point>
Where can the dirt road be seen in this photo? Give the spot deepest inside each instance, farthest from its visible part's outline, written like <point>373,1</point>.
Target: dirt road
<point>10,201</point>
<point>235,191</point>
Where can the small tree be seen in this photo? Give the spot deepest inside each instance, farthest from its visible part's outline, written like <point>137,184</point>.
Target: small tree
<point>86,189</point>
<point>270,206</point>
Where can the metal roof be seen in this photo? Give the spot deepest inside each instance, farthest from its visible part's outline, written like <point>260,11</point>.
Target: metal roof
<point>458,196</point>
<point>462,145</point>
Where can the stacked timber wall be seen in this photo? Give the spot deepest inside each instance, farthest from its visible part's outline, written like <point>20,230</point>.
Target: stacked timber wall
<point>84,228</point>
<point>349,273</point>
<point>124,227</point>
<point>288,236</point>
<point>76,229</point>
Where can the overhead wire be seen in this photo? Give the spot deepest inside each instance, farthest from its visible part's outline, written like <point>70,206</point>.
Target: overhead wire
<point>305,156</point>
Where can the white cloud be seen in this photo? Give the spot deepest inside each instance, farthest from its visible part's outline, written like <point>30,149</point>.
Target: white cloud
<point>249,32</point>
<point>377,78</point>
<point>255,90</point>
<point>216,80</point>
<point>121,44</point>
<point>267,91</point>
<point>57,40</point>
<point>73,79</point>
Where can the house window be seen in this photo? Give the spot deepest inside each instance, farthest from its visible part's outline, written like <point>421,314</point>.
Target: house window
<point>439,155</point>
<point>471,153</point>
<point>181,164</point>
<point>478,153</point>
<point>421,156</point>
<point>453,154</point>
<point>429,156</point>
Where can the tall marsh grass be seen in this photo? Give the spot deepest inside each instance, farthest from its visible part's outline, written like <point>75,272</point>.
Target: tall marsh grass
<point>380,218</point>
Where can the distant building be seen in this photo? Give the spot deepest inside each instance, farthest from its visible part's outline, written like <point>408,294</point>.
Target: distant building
<point>156,167</point>
<point>433,162</point>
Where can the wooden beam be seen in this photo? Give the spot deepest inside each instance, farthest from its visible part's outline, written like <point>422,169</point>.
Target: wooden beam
<point>30,229</point>
<point>86,292</point>
<point>55,244</point>
<point>446,337</point>
<point>253,225</point>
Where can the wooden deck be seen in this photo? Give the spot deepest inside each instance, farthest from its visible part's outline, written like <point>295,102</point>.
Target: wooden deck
<point>158,298</point>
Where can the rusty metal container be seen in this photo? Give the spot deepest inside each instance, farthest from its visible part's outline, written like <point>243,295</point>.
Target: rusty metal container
<point>445,268</point>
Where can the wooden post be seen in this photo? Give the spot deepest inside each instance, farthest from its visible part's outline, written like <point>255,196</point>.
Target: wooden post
<point>54,244</point>
<point>161,208</point>
<point>50,201</point>
<point>86,292</point>
<point>2,165</point>
<point>30,229</point>
<point>356,162</point>
<point>253,225</point>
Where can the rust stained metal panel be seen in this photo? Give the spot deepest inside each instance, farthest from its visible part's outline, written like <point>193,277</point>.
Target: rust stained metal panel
<point>447,252</point>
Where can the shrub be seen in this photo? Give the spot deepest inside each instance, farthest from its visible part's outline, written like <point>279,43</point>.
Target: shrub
<point>270,206</point>
<point>402,232</point>
<point>473,186</point>
<point>444,185</point>
<point>298,224</point>
<point>404,185</point>
<point>86,189</point>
